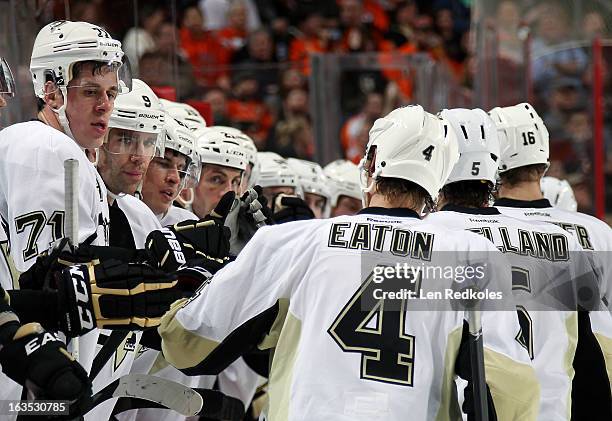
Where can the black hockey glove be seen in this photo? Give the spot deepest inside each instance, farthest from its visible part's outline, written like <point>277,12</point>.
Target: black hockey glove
<point>113,295</point>
<point>290,208</point>
<point>38,360</point>
<point>173,247</point>
<point>255,207</point>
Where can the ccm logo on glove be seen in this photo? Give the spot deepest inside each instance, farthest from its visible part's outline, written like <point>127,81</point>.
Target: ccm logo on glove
<point>82,298</point>
<point>39,341</point>
<point>174,245</point>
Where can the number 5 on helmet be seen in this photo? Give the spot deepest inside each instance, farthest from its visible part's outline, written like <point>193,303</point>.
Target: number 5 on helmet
<point>113,295</point>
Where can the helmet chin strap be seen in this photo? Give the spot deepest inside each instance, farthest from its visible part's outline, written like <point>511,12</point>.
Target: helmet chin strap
<point>364,193</point>
<point>62,117</point>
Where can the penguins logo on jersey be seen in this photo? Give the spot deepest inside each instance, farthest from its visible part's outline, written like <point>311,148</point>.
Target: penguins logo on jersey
<point>127,345</point>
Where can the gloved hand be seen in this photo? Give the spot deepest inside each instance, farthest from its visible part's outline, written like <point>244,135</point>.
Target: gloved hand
<point>38,360</point>
<point>172,247</point>
<point>290,208</point>
<point>113,295</point>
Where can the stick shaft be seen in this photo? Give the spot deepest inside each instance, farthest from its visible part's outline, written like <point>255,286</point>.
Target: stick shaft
<point>71,202</point>
<point>477,366</point>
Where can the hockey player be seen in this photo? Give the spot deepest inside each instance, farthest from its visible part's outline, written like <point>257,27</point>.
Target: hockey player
<point>559,193</point>
<point>224,162</point>
<point>313,184</point>
<point>252,171</point>
<point>334,358</point>
<point>549,336</point>
<point>343,181</point>
<point>184,113</point>
<point>7,82</point>
<point>165,178</point>
<point>523,161</point>
<point>75,71</point>
<point>135,137</point>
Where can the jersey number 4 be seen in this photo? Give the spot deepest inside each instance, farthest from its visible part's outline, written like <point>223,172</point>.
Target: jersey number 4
<point>36,221</point>
<point>373,329</point>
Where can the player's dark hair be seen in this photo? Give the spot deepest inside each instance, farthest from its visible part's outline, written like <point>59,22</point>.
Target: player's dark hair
<point>399,190</point>
<point>97,67</point>
<point>533,172</point>
<point>469,193</point>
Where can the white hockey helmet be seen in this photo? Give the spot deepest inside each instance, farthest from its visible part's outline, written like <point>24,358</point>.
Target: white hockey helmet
<point>179,138</point>
<point>7,81</point>
<point>249,145</point>
<point>185,113</point>
<point>343,180</point>
<point>312,179</point>
<point>275,171</point>
<point>559,193</point>
<point>411,144</point>
<point>523,137</point>
<point>478,145</point>
<point>59,45</point>
<point>141,111</point>
<point>220,148</point>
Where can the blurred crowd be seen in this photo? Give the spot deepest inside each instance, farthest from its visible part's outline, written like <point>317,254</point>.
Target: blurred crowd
<point>248,59</point>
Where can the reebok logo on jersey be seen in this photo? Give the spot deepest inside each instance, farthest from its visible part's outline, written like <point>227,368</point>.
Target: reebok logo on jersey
<point>537,214</point>
<point>39,341</point>
<point>486,221</point>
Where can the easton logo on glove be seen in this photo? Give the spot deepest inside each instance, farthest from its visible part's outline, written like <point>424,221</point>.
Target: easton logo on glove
<point>41,340</point>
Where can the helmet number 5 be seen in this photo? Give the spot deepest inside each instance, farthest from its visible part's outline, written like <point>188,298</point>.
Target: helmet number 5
<point>476,168</point>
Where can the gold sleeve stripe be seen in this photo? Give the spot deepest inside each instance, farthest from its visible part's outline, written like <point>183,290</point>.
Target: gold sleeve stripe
<point>449,407</point>
<point>514,387</point>
<point>571,329</point>
<point>270,340</point>
<point>281,372</point>
<point>605,343</point>
<point>182,348</point>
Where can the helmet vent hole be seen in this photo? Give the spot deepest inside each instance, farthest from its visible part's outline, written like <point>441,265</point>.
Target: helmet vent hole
<point>464,132</point>
<point>536,126</point>
<point>445,130</point>
<point>141,125</point>
<point>383,164</point>
<point>482,134</point>
<point>61,36</point>
<point>494,157</point>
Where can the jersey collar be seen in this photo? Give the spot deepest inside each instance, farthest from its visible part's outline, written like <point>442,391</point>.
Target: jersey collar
<point>473,211</point>
<point>400,212</point>
<point>514,203</point>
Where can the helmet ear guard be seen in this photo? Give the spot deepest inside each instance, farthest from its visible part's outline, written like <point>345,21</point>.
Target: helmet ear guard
<point>343,180</point>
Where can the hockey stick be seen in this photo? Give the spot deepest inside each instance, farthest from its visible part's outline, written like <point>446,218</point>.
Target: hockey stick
<point>477,366</point>
<point>161,392</point>
<point>71,202</point>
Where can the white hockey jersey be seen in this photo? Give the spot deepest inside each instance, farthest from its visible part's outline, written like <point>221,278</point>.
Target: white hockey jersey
<point>549,336</point>
<point>142,220</point>
<point>297,287</point>
<point>32,157</point>
<point>594,236</point>
<point>176,214</point>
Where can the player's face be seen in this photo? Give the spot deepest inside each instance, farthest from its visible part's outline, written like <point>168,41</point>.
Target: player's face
<point>215,181</point>
<point>90,102</point>
<point>270,192</point>
<point>316,203</point>
<point>346,206</point>
<point>244,185</point>
<point>162,181</point>
<point>124,159</point>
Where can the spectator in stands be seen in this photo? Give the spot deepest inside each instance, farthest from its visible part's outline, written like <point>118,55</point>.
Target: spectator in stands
<point>217,99</point>
<point>593,25</point>
<point>155,69</point>
<point>259,55</point>
<point>247,111</point>
<point>351,135</point>
<point>508,22</point>
<point>216,12</point>
<point>402,28</point>
<point>141,39</point>
<point>169,47</point>
<point>311,39</point>
<point>291,79</point>
<point>358,35</point>
<point>564,95</point>
<point>206,54</point>
<point>547,62</point>
<point>234,35</point>
<point>294,107</point>
<point>293,138</point>
<point>451,39</point>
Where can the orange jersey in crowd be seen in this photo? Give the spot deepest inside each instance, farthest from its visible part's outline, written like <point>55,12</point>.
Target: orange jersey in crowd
<point>207,56</point>
<point>251,116</point>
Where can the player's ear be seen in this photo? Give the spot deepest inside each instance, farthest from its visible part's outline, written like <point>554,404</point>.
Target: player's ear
<point>53,96</point>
